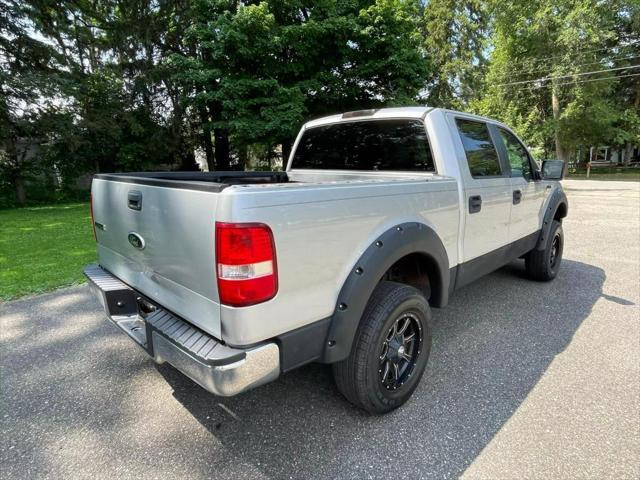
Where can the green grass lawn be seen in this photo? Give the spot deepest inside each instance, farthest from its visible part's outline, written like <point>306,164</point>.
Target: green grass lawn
<point>42,248</point>
<point>612,173</point>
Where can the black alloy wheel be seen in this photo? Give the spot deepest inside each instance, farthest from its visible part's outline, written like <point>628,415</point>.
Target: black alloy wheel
<point>400,350</point>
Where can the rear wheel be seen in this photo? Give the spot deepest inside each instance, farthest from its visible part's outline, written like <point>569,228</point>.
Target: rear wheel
<point>543,265</point>
<point>390,350</point>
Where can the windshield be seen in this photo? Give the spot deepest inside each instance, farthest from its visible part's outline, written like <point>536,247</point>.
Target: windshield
<point>400,145</point>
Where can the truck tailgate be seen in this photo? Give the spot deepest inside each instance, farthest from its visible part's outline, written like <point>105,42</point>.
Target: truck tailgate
<point>160,241</point>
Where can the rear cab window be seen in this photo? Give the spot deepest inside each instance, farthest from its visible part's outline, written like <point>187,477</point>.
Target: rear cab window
<point>378,145</point>
<point>481,153</point>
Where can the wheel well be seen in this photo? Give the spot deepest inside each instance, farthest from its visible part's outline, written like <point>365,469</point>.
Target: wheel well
<point>418,270</point>
<point>561,212</point>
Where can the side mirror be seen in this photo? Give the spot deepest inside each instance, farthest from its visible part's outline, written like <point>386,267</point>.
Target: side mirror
<point>552,170</point>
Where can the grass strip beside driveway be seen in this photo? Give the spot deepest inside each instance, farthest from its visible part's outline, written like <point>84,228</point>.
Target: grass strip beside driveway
<point>42,248</point>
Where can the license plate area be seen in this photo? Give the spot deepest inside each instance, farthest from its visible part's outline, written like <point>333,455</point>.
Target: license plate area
<point>136,325</point>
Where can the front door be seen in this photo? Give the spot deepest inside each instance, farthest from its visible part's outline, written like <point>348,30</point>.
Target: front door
<point>527,193</point>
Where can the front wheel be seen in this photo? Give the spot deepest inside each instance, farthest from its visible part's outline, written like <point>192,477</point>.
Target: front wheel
<point>390,350</point>
<point>543,265</point>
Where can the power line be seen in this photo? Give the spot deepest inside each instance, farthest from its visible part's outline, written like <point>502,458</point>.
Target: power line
<point>564,56</point>
<point>605,56</point>
<point>602,79</point>
<point>602,60</point>
<point>544,79</point>
<point>592,80</point>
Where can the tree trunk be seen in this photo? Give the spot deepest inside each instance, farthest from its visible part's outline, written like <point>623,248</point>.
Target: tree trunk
<point>21,194</point>
<point>206,138</point>
<point>222,152</point>
<point>628,151</point>
<point>15,167</point>
<point>561,152</point>
<point>208,149</point>
<point>188,162</point>
<point>286,151</point>
<point>205,123</point>
<point>243,157</point>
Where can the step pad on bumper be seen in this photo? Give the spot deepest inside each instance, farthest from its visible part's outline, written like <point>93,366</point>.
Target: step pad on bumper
<point>220,369</point>
<point>194,341</point>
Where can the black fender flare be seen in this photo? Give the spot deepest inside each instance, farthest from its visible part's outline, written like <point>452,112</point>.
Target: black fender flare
<point>558,200</point>
<point>391,246</point>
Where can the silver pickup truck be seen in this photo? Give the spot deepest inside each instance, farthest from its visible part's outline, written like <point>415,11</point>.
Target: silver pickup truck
<point>237,277</point>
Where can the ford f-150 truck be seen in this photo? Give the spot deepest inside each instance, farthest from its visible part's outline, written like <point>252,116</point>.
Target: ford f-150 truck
<point>237,277</point>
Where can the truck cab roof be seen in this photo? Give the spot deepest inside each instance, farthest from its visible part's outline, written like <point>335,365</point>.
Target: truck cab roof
<point>417,112</point>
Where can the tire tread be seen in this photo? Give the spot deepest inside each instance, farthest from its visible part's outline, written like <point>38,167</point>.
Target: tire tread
<point>351,374</point>
<point>536,262</point>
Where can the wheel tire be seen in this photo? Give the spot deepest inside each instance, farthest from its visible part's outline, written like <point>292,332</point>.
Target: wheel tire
<point>359,376</point>
<point>543,265</point>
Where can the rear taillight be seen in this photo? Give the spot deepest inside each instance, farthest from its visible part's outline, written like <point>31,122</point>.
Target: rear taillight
<point>245,263</point>
<point>93,222</point>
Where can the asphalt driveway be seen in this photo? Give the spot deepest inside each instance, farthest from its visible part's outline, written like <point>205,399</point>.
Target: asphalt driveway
<point>526,380</point>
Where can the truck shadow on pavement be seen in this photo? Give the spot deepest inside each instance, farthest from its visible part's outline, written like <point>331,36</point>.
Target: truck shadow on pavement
<point>492,345</point>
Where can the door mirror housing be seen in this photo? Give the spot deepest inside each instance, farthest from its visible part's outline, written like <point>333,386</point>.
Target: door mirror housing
<point>552,170</point>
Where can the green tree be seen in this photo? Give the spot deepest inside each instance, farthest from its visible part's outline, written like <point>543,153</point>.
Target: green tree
<point>87,83</point>
<point>456,39</point>
<point>539,80</point>
<point>257,69</point>
<point>29,85</point>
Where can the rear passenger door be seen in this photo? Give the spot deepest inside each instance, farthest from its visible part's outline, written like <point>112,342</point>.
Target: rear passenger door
<point>527,193</point>
<point>487,190</point>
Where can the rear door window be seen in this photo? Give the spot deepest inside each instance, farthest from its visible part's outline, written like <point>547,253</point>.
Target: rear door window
<point>481,153</point>
<point>385,145</point>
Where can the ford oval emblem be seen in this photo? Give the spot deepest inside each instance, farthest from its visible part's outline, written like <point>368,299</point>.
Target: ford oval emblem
<point>136,240</point>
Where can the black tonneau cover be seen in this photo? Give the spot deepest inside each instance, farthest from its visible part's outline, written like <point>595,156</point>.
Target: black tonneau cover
<point>207,181</point>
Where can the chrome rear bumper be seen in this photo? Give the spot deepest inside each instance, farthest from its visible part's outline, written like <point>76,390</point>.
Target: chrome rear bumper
<point>167,338</point>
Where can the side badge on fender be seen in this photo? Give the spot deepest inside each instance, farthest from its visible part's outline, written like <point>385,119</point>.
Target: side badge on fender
<point>136,240</point>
